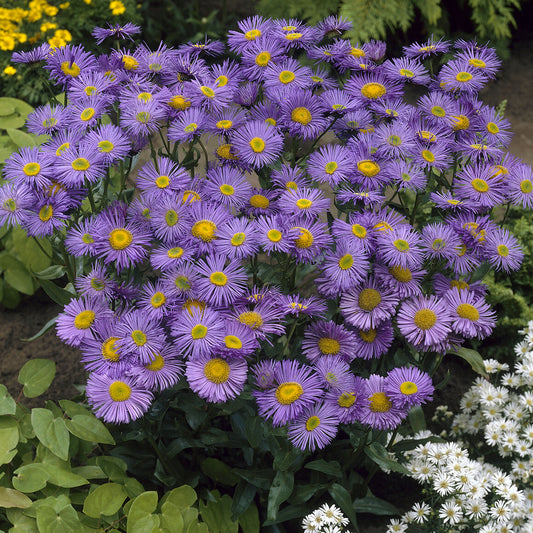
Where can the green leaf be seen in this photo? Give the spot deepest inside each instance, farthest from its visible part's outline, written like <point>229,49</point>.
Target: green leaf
<point>417,419</point>
<point>30,478</point>
<point>344,501</point>
<point>140,513</point>
<point>72,408</point>
<point>279,492</point>
<point>36,376</point>
<point>182,497</point>
<point>219,471</point>
<point>249,520</point>
<point>52,272</point>
<point>64,521</point>
<point>21,522</point>
<point>21,107</point>
<point>6,108</point>
<point>378,453</point>
<point>242,498</point>
<point>133,487</point>
<point>474,359</point>
<point>171,518</point>
<point>49,325</point>
<point>113,467</point>
<point>20,279</point>
<point>261,478</point>
<point>217,515</point>
<point>8,405</point>
<point>21,138</point>
<point>13,498</point>
<point>63,478</point>
<point>51,431</point>
<point>12,121</point>
<point>373,505</point>
<point>89,428</point>
<point>59,296</point>
<point>331,468</point>
<point>9,438</point>
<point>30,250</point>
<point>106,500</point>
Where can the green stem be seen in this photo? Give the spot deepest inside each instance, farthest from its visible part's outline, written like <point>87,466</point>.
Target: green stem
<point>205,154</point>
<point>289,337</point>
<point>91,199</point>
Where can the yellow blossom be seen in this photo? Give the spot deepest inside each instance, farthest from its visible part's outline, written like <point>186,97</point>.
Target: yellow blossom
<point>10,71</point>
<point>64,6</point>
<point>51,11</point>
<point>88,2</point>
<point>48,26</point>
<point>56,42</point>
<point>117,7</point>
<point>63,34</point>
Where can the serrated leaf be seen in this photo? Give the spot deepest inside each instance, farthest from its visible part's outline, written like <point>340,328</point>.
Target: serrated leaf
<point>89,428</point>
<point>13,498</point>
<point>474,359</point>
<point>9,438</point>
<point>36,376</point>
<point>51,431</point>
<point>105,500</point>
<point>8,405</point>
<point>30,478</point>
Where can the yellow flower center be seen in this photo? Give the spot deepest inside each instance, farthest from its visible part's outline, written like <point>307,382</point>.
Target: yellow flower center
<point>428,156</point>
<point>480,185</point>
<point>403,275</point>
<point>331,167</point>
<point>303,203</point>
<point>478,63</point>
<point>120,238</point>
<point>401,245</point>
<point>312,423</point>
<point>143,117</point>
<point>357,52</point>
<point>70,69</point>
<point>144,97</point>
<point>10,204</point>
<point>190,128</point>
<point>425,319</point>
<point>157,364</point>
<point>233,342</point>
<point>46,212</point>
<point>305,240</point>
<point>80,164</point>
<point>217,370</point>
<point>438,111</point>
<point>218,278</point>
<point>238,238</point>
<point>129,62</point>
<point>492,128</point>
<point>171,217</point>
<point>373,90</point>
<point>468,311</point>
<point>259,201</point>
<point>526,186</point>
<point>226,190</point>
<point>407,73</point>
<point>110,349</point>
<point>175,253</point>
<point>461,122</point>
<point>459,284</point>
<point>408,388</point>
<point>369,299</point>
<point>31,169</point>
<point>368,336</point>
<point>87,239</point>
<point>204,230</point>
<point>84,320</point>
<point>251,35</point>
<point>394,140</point>
<point>182,282</point>
<point>503,251</point>
<point>368,168</point>
<point>158,299</point>
<point>463,77</point>
<point>119,391</point>
<point>293,36</point>
<point>62,148</point>
<point>138,337</point>
<point>252,319</point>
<point>380,403</point>
<point>262,59</point>
<point>346,399</point>
<point>289,392</point>
<point>179,102</point>
<point>346,262</point>
<point>302,115</point>
<point>224,124</point>
<point>359,231</point>
<point>222,81</point>
<point>106,146</point>
<point>199,331</point>
<point>271,121</point>
<point>49,122</point>
<point>329,346</point>
<point>257,145</point>
<point>286,76</point>
<point>274,235</point>
<point>87,114</point>
<point>162,182</point>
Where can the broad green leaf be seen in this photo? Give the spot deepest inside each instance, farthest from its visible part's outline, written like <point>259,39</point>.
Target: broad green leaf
<point>63,478</point>
<point>89,428</point>
<point>219,471</point>
<point>51,431</point>
<point>249,520</point>
<point>217,515</point>
<point>10,122</point>
<point>13,498</point>
<point>30,478</point>
<point>417,419</point>
<point>343,499</point>
<point>21,107</point>
<point>21,522</point>
<point>89,472</point>
<point>474,359</point>
<point>331,468</point>
<point>171,518</point>
<point>59,296</point>
<point>133,487</point>
<point>373,505</point>
<point>8,405</point>
<point>64,521</point>
<point>9,438</point>
<point>72,408</point>
<point>142,507</point>
<point>30,250</point>
<point>258,478</point>
<point>182,497</point>
<point>36,376</point>
<point>242,498</point>
<point>279,492</point>
<point>106,500</point>
<point>113,467</point>
<point>6,108</point>
<point>52,272</point>
<point>21,138</point>
<point>378,453</point>
<point>20,279</point>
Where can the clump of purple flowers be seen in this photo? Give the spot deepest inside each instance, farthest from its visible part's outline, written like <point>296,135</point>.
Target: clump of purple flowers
<point>389,215</point>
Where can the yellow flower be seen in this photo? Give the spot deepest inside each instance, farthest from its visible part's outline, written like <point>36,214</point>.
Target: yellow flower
<point>88,2</point>
<point>10,71</point>
<point>51,11</point>
<point>117,7</point>
<point>56,42</point>
<point>48,26</point>
<point>63,34</point>
<point>7,42</point>
<point>64,6</point>
<point>21,37</point>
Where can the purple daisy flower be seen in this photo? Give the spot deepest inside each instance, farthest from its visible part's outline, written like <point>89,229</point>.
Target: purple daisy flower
<point>79,318</point>
<point>357,231</point>
<point>334,371</point>
<point>336,101</point>
<point>331,163</point>
<point>493,126</point>
<point>267,112</point>
<point>163,372</point>
<point>257,143</point>
<point>206,219</point>
<point>401,247</point>
<point>294,304</point>
<point>370,87</point>
<point>227,120</point>
<point>424,321</point>
<point>274,235</point>
<point>347,401</point>
<point>442,284</point>
<point>311,242</point>
<point>519,186</point>
<point>369,168</point>
<point>39,53</point>
<point>15,201</point>
<point>407,175</point>
<point>208,94</point>
<point>180,280</point>
<point>189,125</point>
<point>323,338</point>
<point>86,112</point>
<point>438,107</point>
<point>461,76</point>
<point>378,410</point>
<point>80,239</point>
<point>29,167</point>
<point>117,401</point>
<point>265,318</point>
<point>227,186</point>
<point>110,141</point>
<point>472,316</point>
<point>439,241</point>
<point>251,28</point>
<point>405,282</point>
<point>447,201</point>
<point>374,342</point>
<point>369,304</point>
<point>215,379</point>
<point>296,387</point>
<point>96,284</point>
<point>435,156</point>
<point>197,332</point>
<point>334,26</point>
<point>162,178</point>
<point>167,257</point>
<point>408,386</point>
<point>116,31</point>
<point>303,203</point>
<point>479,57</point>
<point>405,69</point>
<point>264,373</point>
<point>239,341</point>
<point>154,301</point>
<point>314,428</point>
<point>206,48</point>
<point>141,118</point>
<point>281,77</point>
<point>292,33</point>
<point>502,250</point>
<point>169,220</point>
<point>46,215</point>
<point>68,62</point>
<point>46,120</point>
<point>302,115</point>
<point>395,140</point>
<point>262,202</point>
<point>427,49</point>
<point>477,182</point>
<point>237,239</point>
<point>76,165</point>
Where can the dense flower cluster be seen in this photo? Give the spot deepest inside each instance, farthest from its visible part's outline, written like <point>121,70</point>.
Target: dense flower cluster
<point>325,519</point>
<point>495,423</point>
<point>314,163</point>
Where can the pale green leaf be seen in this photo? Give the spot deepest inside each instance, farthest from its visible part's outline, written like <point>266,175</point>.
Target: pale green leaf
<point>30,478</point>
<point>8,405</point>
<point>105,500</point>
<point>51,432</point>
<point>13,498</point>
<point>36,376</point>
<point>9,438</point>
<point>89,428</point>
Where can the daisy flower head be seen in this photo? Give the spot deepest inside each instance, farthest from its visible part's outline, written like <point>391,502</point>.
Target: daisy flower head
<point>395,140</point>
<point>312,240</point>
<point>336,101</point>
<point>478,183</point>
<point>47,119</point>
<point>154,300</point>
<point>250,29</point>
<point>461,76</point>
<point>406,282</point>
<point>116,31</point>
<point>237,239</point>
<point>216,379</point>
<point>162,372</point>
<point>29,167</point>
<point>117,401</point>
<point>258,55</point>
<point>295,388</point>
<point>239,341</point>
<point>68,62</point>
<point>168,220</point>
<point>274,234</point>
<point>80,239</point>
<point>400,247</point>
<point>161,178</point>
<point>281,77</point>
<point>438,107</point>
<point>188,125</point>
<point>303,203</point>
<point>167,257</point>
<point>331,164</point>
<point>406,69</point>
<point>493,126</point>
<point>227,186</point>
<point>372,343</point>
<point>141,118</point>
<point>206,218</point>
<point>314,428</point>
<point>479,57</point>
<point>334,372</point>
<point>323,338</point>
<point>110,141</point>
<point>425,321</point>
<point>294,304</point>
<point>502,250</point>
<point>357,231</point>
<point>76,165</point>
<point>15,201</point>
<point>257,143</point>
<point>408,386</point>
<point>370,87</point>
<point>439,240</point>
<point>368,305</point>
<point>347,400</point>
<point>264,319</point>
<point>519,186</point>
<point>96,284</point>
<point>427,49</point>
